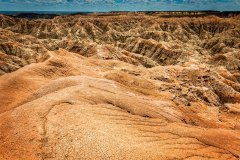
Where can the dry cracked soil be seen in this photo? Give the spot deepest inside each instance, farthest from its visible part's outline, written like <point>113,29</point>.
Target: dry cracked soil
<point>120,86</point>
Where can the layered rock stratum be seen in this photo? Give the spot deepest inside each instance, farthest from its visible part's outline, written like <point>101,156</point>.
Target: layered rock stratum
<point>120,86</point>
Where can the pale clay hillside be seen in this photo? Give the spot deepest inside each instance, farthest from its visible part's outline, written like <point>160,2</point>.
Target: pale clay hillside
<point>120,86</point>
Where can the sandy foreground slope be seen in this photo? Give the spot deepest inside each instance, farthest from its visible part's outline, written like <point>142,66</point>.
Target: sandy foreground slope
<point>128,86</point>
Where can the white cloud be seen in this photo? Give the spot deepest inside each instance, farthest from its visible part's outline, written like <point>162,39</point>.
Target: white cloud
<point>131,4</point>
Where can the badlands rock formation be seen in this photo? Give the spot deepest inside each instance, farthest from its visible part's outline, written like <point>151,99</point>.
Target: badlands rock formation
<point>120,86</point>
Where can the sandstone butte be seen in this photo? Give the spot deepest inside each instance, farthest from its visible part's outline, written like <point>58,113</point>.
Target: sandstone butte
<point>120,86</point>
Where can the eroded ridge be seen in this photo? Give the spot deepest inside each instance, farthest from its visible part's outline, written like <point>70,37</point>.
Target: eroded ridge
<point>120,86</point>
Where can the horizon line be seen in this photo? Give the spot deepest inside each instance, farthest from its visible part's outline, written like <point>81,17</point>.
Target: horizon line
<point>126,11</point>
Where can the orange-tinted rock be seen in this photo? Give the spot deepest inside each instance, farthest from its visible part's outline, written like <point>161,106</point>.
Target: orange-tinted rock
<point>120,86</point>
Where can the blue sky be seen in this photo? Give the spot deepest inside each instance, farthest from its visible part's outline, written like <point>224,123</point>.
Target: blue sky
<point>114,5</point>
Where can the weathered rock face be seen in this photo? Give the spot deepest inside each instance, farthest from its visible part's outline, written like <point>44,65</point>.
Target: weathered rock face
<point>125,86</point>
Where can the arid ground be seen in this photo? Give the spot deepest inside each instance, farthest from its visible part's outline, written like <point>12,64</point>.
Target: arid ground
<point>120,86</point>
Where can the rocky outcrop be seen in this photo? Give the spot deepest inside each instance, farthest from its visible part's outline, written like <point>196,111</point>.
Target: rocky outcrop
<point>120,86</point>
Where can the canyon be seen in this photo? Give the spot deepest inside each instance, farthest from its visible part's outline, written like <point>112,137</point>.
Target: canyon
<point>120,85</point>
